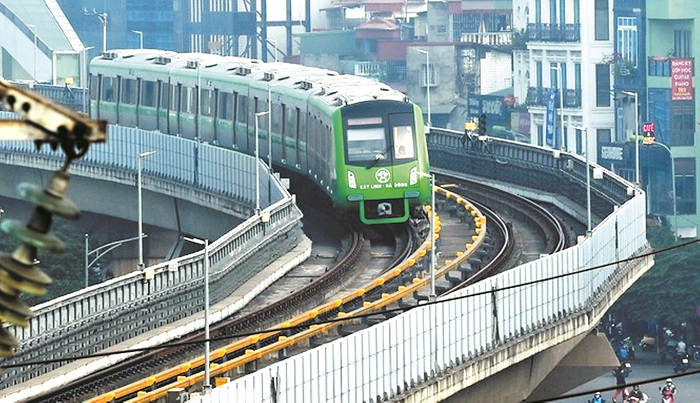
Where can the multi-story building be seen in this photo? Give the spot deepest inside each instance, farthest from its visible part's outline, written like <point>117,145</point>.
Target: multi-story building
<point>672,41</point>
<point>435,51</point>
<point>568,42</point>
<point>217,26</point>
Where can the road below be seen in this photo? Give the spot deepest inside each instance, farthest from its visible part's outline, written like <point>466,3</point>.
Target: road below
<point>644,368</point>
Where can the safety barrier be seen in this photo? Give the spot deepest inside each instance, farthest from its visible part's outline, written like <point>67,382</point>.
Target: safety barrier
<point>404,352</point>
<point>67,323</point>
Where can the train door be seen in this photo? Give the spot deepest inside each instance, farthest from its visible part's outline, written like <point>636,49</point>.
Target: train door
<point>95,84</point>
<point>403,143</point>
<point>173,108</point>
<point>163,102</point>
<point>138,102</point>
<point>215,116</point>
<point>117,98</point>
<point>282,153</point>
<point>178,110</point>
<point>290,140</point>
<point>252,110</point>
<point>241,135</point>
<point>302,149</point>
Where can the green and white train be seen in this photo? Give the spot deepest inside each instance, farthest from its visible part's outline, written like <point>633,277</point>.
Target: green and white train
<point>360,141</point>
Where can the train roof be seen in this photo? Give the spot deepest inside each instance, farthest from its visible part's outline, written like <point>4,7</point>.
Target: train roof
<point>327,86</point>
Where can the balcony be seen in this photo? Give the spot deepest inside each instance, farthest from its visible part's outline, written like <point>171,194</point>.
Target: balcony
<point>501,38</point>
<point>375,70</point>
<point>537,96</point>
<point>660,66</point>
<point>553,32</point>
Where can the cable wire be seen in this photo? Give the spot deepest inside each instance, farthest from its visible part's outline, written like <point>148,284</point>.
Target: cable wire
<point>352,317</point>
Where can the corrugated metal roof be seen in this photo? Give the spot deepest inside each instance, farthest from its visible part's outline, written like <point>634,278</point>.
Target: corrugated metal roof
<point>52,26</point>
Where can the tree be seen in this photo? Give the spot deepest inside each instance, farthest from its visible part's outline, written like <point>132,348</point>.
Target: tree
<point>65,269</point>
<point>668,292</point>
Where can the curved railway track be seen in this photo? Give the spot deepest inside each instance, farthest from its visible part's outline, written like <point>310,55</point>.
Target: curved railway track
<point>506,211</point>
<point>255,321</point>
<point>501,246</point>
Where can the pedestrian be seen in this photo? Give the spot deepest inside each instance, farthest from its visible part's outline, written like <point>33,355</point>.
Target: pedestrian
<point>620,382</point>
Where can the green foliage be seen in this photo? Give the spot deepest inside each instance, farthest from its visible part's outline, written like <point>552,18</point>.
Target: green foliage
<point>668,292</point>
<point>65,269</point>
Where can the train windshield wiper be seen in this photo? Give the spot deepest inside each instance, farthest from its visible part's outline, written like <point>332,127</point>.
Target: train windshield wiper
<point>379,157</point>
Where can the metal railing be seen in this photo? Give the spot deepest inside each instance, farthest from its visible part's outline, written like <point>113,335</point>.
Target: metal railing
<point>538,96</point>
<point>131,304</point>
<point>485,319</point>
<point>545,32</point>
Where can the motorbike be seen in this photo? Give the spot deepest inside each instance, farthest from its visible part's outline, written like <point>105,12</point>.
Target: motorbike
<point>644,399</point>
<point>628,344</point>
<point>681,363</point>
<point>648,343</point>
<point>669,350</point>
<point>666,397</point>
<point>694,352</point>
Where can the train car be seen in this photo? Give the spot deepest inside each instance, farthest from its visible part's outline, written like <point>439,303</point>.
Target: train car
<point>360,141</point>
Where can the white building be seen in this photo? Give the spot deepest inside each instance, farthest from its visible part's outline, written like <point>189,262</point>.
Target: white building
<point>571,41</point>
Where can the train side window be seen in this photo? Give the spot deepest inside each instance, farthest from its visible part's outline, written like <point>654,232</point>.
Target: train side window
<point>175,97</point>
<point>94,86</point>
<point>276,118</point>
<point>251,114</point>
<point>128,91</point>
<point>188,99</point>
<point>403,143</point>
<point>234,105</point>
<point>225,107</point>
<point>164,96</point>
<point>207,107</point>
<point>289,122</point>
<point>148,94</point>
<point>108,89</point>
<point>242,108</point>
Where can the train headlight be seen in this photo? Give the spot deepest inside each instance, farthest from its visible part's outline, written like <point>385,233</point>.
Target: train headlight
<point>352,184</point>
<point>413,176</point>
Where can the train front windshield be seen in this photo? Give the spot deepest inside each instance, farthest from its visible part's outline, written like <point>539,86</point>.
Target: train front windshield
<point>368,142</point>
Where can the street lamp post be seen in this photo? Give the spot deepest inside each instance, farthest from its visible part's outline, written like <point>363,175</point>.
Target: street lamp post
<point>257,159</point>
<point>636,134</point>
<point>589,225</point>
<point>673,189</point>
<point>141,156</point>
<point>427,82</point>
<point>269,141</point>
<point>103,19</point>
<point>561,104</point>
<point>110,246</point>
<point>206,387</point>
<point>140,34</point>
<point>84,77</point>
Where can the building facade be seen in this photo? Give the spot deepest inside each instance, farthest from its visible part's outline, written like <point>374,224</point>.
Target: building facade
<point>569,42</point>
<point>671,43</point>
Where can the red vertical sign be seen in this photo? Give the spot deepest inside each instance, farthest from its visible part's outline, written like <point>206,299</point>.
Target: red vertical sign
<point>681,79</point>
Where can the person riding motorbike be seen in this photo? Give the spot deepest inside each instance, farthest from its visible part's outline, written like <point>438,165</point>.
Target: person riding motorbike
<point>668,391</point>
<point>636,395</point>
<point>669,346</point>
<point>681,359</point>
<point>597,398</point>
